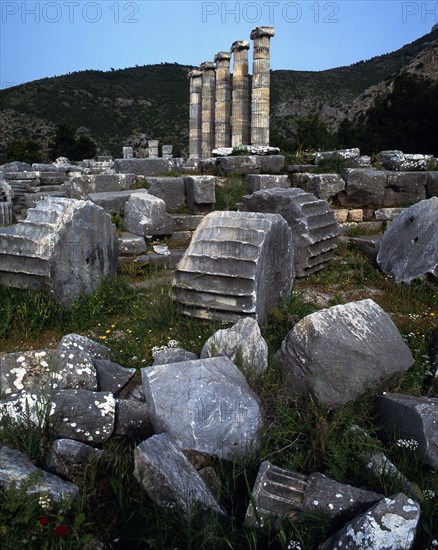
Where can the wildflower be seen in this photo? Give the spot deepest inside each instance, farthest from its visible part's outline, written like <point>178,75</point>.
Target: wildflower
<point>44,520</point>
<point>61,530</point>
<point>293,545</point>
<point>173,343</point>
<point>428,494</point>
<point>107,331</point>
<point>113,326</point>
<point>103,337</point>
<point>3,530</point>
<point>410,444</point>
<point>44,501</point>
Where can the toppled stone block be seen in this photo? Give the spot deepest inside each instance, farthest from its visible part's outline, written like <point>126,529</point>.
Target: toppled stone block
<point>205,405</point>
<point>6,213</point>
<point>350,156</point>
<point>114,202</point>
<point>367,245</point>
<point>201,192</point>
<point>67,457</point>
<point>355,215</point>
<point>15,469</point>
<point>412,419</point>
<point>338,353</point>
<point>132,419</point>
<point>312,222</point>
<point>243,343</point>
<point>146,215</point>
<point>169,479</point>
<point>111,376</point>
<point>266,181</point>
<point>82,186</point>
<point>272,164</point>
<point>387,214</point>
<point>405,188</point>
<point>16,166</point>
<point>364,188</point>
<point>390,524</point>
<point>240,165</point>
<point>145,167</point>
<point>324,186</point>
<point>167,151</point>
<point>171,190</point>
<point>399,161</point>
<point>131,245</point>
<point>409,247</point>
<point>172,355</point>
<point>128,152</point>
<point>238,264</point>
<point>341,215</point>
<point>50,369</point>
<point>64,246</point>
<point>77,342</point>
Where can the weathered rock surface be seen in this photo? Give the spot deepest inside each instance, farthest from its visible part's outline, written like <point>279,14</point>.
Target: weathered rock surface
<point>171,190</point>
<point>132,418</point>
<point>414,419</point>
<point>257,182</point>
<point>169,478</point>
<point>312,222</point>
<point>47,370</point>
<point>114,202</point>
<point>146,215</point>
<point>324,186</point>
<point>399,161</point>
<point>145,166</point>
<point>82,185</point>
<point>387,214</point>
<point>201,192</point>
<point>67,457</point>
<point>432,184</point>
<point>243,343</point>
<point>364,188</point>
<point>350,156</point>
<point>111,376</point>
<point>131,245</point>
<point>390,524</point>
<point>205,405</point>
<point>409,247</point>
<point>78,342</point>
<point>339,352</point>
<point>238,264</point>
<point>405,188</point>
<point>15,469</point>
<point>173,355</point>
<point>64,246</point>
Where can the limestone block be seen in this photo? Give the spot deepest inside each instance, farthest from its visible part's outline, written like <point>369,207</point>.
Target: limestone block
<point>83,185</point>
<point>111,376</point>
<point>355,215</point>
<point>170,189</point>
<point>412,418</point>
<point>247,164</point>
<point>77,342</point>
<point>167,151</point>
<point>257,182</point>
<point>238,264</point>
<point>399,161</point>
<point>131,245</point>
<point>64,246</point>
<point>169,478</point>
<point>128,152</point>
<point>387,214</point>
<point>350,156</point>
<point>324,186</point>
<point>145,167</point>
<point>405,188</point>
<point>243,343</point>
<point>432,184</point>
<point>271,164</point>
<point>341,214</point>
<point>132,418</point>
<point>113,202</point>
<point>146,215</point>
<point>312,222</point>
<point>338,353</point>
<point>364,188</point>
<point>205,405</point>
<point>173,355</point>
<point>389,524</point>
<point>67,457</point>
<point>409,247</point>
<point>15,469</point>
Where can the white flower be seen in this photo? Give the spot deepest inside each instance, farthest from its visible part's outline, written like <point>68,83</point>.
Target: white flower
<point>410,444</point>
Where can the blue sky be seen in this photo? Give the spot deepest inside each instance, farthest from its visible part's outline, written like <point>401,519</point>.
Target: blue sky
<point>47,38</point>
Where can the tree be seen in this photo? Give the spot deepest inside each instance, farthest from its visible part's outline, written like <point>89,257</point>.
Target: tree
<point>66,143</point>
<point>24,150</point>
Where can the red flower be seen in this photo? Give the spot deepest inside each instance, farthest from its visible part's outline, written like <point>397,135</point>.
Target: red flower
<point>61,530</point>
<point>44,520</point>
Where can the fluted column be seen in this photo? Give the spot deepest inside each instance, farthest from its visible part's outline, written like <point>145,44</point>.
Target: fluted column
<point>240,94</point>
<point>223,100</point>
<point>261,80</point>
<point>208,102</point>
<point>195,127</point>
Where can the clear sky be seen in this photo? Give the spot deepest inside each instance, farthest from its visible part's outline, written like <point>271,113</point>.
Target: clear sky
<point>54,37</point>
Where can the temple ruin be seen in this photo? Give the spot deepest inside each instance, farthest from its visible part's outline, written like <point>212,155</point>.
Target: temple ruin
<point>220,112</point>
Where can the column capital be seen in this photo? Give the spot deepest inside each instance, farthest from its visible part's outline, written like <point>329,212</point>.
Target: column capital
<point>222,56</point>
<point>194,73</point>
<point>240,45</point>
<point>258,32</point>
<point>207,66</point>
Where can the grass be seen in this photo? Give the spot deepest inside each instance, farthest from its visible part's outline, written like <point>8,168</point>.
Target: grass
<point>299,434</point>
<point>231,192</point>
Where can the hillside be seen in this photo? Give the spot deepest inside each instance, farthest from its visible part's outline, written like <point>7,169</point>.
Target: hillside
<point>127,107</point>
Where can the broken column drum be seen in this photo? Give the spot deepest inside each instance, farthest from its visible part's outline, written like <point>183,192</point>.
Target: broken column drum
<point>260,85</point>
<point>208,106</point>
<point>195,126</point>
<point>223,100</point>
<point>240,95</point>
<point>238,264</point>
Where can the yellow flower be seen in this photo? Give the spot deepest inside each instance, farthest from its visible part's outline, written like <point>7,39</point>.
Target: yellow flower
<point>107,331</point>
<point>3,529</point>
<point>103,337</point>
<point>113,326</point>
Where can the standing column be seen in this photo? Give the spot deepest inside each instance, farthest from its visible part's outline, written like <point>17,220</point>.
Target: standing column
<point>261,80</point>
<point>223,100</point>
<point>240,94</point>
<point>195,128</point>
<point>208,100</point>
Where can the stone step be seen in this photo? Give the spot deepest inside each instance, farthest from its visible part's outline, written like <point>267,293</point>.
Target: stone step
<point>27,265</point>
<point>186,222</point>
<point>218,266</point>
<point>18,245</point>
<point>215,283</point>
<point>23,280</point>
<point>37,215</point>
<point>237,304</point>
<point>230,249</point>
<point>214,314</point>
